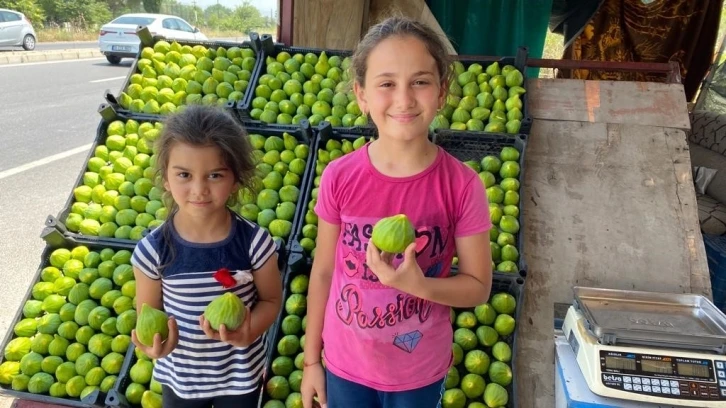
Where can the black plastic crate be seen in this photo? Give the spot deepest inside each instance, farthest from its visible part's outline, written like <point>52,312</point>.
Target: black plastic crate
<point>324,133</point>
<point>297,265</point>
<point>108,115</point>
<point>513,285</point>
<point>116,397</point>
<point>60,230</point>
<point>113,397</point>
<point>147,40</point>
<point>270,49</point>
<point>461,144</point>
<point>519,61</point>
<point>304,134</point>
<point>54,240</point>
<point>465,145</point>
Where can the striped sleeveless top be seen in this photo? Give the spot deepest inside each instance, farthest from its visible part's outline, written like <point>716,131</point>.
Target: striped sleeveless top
<point>200,367</point>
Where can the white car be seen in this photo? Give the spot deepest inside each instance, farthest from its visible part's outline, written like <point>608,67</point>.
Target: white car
<point>16,30</point>
<point>118,38</point>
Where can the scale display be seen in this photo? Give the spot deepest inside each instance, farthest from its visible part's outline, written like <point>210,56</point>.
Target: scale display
<point>663,376</point>
<point>658,367</point>
<point>693,370</point>
<point>620,363</point>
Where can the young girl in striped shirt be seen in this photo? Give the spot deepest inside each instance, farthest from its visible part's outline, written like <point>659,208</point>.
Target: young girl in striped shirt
<point>202,251</point>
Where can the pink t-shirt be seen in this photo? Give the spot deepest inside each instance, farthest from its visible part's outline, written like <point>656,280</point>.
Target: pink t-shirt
<point>375,335</point>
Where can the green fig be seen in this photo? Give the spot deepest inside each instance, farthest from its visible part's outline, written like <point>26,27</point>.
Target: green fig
<point>227,309</point>
<point>493,69</point>
<point>150,322</point>
<point>150,399</point>
<point>514,78</point>
<point>393,234</point>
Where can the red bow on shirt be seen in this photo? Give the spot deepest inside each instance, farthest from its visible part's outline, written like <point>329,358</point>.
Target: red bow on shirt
<point>224,277</point>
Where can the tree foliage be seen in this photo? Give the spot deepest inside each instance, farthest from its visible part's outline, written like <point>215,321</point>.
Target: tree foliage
<point>93,13</point>
<point>152,6</point>
<point>30,8</point>
<point>81,13</point>
<point>244,18</point>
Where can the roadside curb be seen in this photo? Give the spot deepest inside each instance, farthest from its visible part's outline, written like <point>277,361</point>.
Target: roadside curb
<point>44,56</point>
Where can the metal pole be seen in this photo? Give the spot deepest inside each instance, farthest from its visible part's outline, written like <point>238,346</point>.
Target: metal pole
<point>196,18</point>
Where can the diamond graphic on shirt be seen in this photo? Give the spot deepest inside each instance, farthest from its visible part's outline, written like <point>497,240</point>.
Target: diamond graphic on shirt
<point>408,342</point>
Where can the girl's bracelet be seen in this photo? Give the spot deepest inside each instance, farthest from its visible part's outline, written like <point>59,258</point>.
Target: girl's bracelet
<point>310,364</point>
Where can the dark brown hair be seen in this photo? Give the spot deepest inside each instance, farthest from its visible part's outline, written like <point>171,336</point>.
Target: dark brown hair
<point>202,126</point>
<point>205,126</point>
<point>401,27</point>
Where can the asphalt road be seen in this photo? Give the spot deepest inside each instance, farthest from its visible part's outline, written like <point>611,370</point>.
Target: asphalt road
<point>49,108</point>
<point>48,118</point>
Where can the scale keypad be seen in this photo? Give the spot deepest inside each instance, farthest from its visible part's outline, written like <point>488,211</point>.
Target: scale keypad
<point>662,387</point>
<point>666,388</point>
<point>664,376</point>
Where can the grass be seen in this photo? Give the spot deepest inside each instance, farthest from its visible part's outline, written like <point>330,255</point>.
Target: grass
<point>62,35</point>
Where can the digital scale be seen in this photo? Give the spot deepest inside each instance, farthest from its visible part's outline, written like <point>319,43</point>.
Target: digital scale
<point>649,347</point>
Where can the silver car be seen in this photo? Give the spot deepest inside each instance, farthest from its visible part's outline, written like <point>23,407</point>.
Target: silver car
<point>118,38</point>
<point>16,30</point>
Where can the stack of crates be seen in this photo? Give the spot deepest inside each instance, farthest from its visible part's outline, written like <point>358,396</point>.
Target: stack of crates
<point>109,209</point>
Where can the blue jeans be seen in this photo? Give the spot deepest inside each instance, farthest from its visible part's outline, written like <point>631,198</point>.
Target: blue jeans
<point>342,393</point>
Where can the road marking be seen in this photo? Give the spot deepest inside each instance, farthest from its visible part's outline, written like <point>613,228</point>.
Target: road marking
<point>107,79</point>
<point>25,64</point>
<point>42,162</point>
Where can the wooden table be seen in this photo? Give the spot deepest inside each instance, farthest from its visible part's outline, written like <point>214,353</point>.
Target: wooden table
<point>608,202</point>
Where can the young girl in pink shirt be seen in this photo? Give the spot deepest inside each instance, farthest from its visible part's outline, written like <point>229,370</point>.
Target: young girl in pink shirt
<point>384,318</point>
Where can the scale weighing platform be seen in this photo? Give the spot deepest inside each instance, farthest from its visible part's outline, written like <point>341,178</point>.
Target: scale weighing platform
<point>649,348</point>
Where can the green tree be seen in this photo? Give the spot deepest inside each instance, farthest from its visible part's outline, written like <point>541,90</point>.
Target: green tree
<point>30,8</point>
<point>187,12</point>
<point>152,6</point>
<point>134,6</point>
<point>216,15</point>
<point>117,7</point>
<point>97,13</point>
<point>244,18</point>
<point>247,18</point>
<point>49,8</point>
<point>82,13</point>
<point>197,15</point>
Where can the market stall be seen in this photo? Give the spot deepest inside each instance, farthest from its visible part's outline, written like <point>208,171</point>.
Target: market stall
<point>589,185</point>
